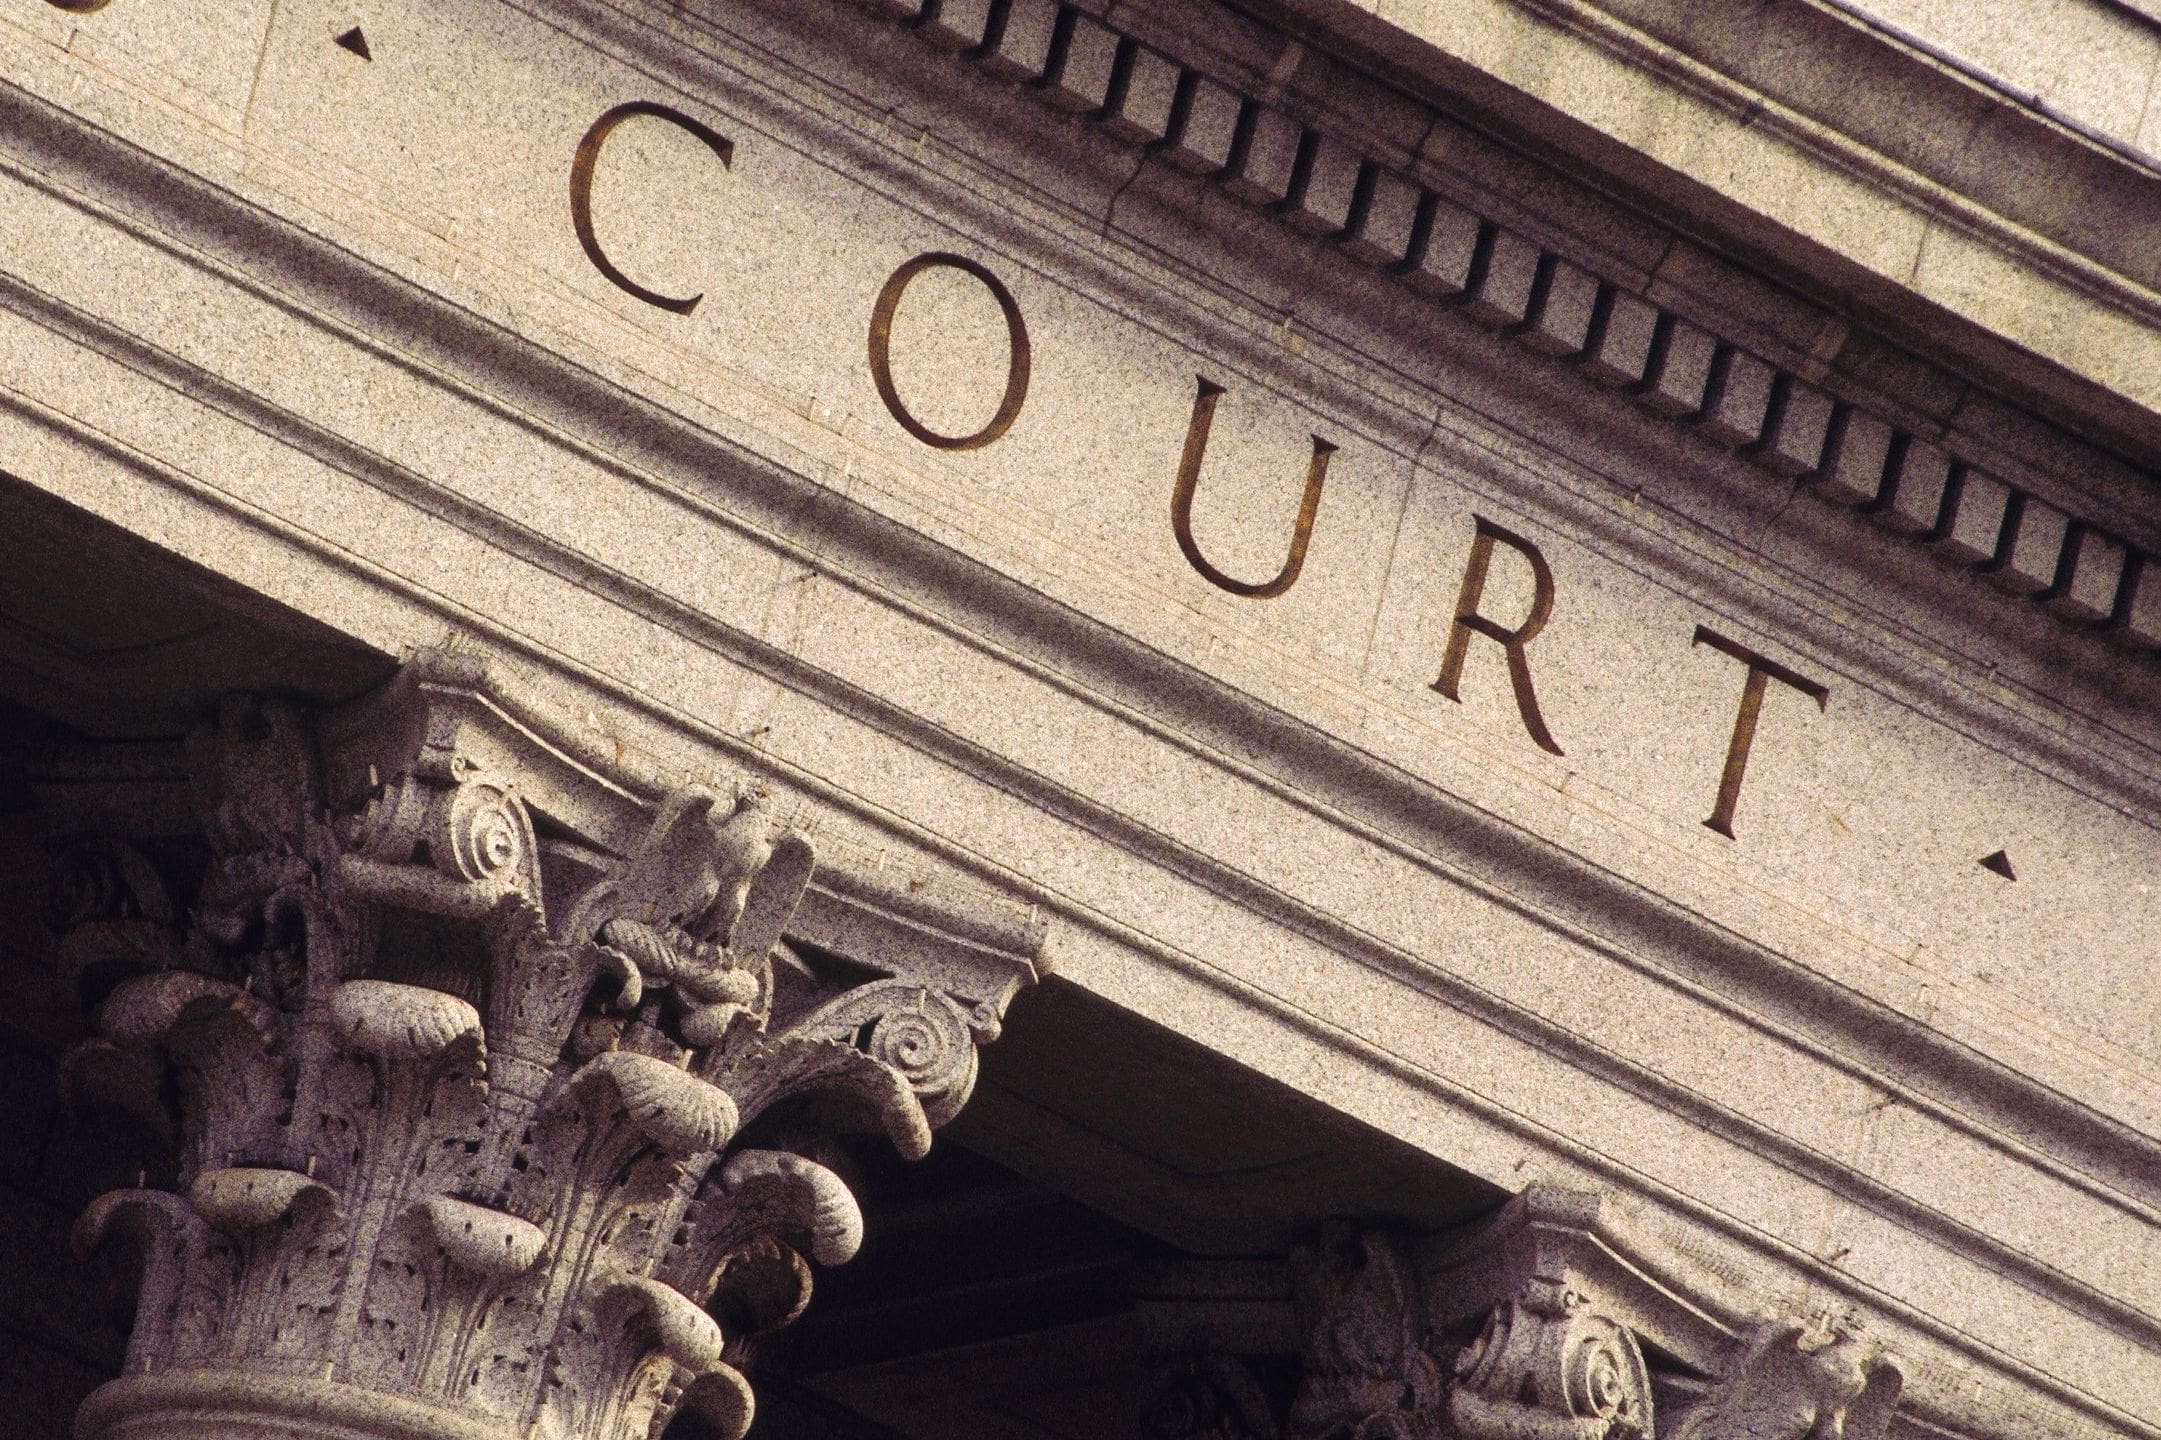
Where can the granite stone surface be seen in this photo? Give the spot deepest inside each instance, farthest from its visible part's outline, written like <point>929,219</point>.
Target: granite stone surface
<point>1013,325</point>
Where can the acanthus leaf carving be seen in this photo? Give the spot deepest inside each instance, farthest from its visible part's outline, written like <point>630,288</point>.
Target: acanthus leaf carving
<point>111,912</point>
<point>1208,1397</point>
<point>762,1285</point>
<point>183,1270</point>
<point>761,1073</point>
<point>393,1022</point>
<point>256,791</point>
<point>745,1240</point>
<point>660,1102</point>
<point>793,1194</point>
<point>608,1387</point>
<point>1568,1296</point>
<point>469,1145</point>
<point>223,1043</point>
<point>241,1199</point>
<point>484,1241</point>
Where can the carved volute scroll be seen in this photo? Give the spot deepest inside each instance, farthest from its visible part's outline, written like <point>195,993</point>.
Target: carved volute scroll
<point>476,1143</point>
<point>1549,1366</point>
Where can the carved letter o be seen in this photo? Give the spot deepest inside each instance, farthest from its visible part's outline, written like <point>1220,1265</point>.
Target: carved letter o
<point>881,366</point>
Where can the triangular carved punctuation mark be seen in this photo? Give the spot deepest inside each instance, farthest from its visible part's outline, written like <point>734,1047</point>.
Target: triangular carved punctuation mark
<point>356,42</point>
<point>2000,863</point>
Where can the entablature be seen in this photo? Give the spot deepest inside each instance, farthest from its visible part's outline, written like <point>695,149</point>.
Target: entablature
<point>753,567</point>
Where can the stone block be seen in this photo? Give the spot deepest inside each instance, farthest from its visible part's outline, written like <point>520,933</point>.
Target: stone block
<point>2087,581</point>
<point>1144,97</point>
<point>1445,253</point>
<point>1561,309</point>
<point>1265,158</point>
<point>1912,502</point>
<point>1972,529</point>
<point>1618,351</point>
<point>1500,290</point>
<point>1204,132</point>
<point>1083,62</point>
<point>1738,398</point>
<point>2032,547</point>
<point>1795,430</point>
<point>1386,221</point>
<point>1854,458</point>
<point>2138,623</point>
<point>955,24</point>
<point>1325,187</point>
<point>1785,322</point>
<point>1680,369</point>
<point>1019,45</point>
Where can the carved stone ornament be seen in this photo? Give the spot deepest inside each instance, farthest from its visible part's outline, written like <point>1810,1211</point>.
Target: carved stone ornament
<point>1801,1383</point>
<point>1548,1366</point>
<point>1551,1294</point>
<point>486,1137</point>
<point>1208,1397</point>
<point>1366,1369</point>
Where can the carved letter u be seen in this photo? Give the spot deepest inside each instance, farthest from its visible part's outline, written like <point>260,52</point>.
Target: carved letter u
<point>1189,476</point>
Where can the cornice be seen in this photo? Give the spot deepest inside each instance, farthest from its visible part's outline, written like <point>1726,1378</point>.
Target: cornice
<point>1862,100</point>
<point>1731,972</point>
<point>887,560</point>
<point>1300,156</point>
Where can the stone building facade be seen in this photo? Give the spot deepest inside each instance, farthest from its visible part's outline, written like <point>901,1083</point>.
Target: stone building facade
<point>1464,693</point>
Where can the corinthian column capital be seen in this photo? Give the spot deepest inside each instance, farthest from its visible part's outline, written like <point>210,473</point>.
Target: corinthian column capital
<point>1552,1319</point>
<point>502,1087</point>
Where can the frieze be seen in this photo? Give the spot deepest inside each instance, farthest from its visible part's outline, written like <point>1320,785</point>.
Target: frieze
<point>1846,432</point>
<point>1321,184</point>
<point>1784,417</point>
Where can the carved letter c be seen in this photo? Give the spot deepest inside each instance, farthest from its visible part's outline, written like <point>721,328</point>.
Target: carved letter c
<point>581,191</point>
